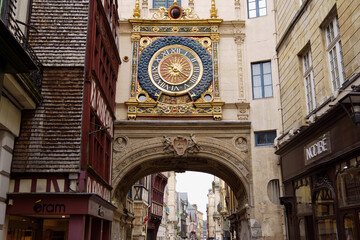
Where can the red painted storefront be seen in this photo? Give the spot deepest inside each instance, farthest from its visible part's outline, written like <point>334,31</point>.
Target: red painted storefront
<point>61,210</point>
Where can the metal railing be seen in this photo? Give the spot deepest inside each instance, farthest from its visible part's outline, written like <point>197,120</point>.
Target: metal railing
<point>35,75</point>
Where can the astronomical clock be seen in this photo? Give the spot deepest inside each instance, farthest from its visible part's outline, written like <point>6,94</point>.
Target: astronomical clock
<point>174,66</point>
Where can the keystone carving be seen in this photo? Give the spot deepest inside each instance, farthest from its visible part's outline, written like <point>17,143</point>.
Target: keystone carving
<point>180,145</point>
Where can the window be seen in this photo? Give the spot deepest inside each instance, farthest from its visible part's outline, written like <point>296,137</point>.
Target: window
<point>265,138</point>
<point>4,5</point>
<point>164,3</point>
<point>274,191</point>
<point>334,50</point>
<point>256,8</point>
<point>309,82</point>
<point>261,80</point>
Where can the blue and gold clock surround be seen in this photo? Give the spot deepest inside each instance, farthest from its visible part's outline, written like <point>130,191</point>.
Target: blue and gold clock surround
<point>181,45</point>
<point>175,66</point>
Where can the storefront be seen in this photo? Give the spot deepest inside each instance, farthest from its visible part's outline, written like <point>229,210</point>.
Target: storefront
<point>53,216</point>
<point>321,175</point>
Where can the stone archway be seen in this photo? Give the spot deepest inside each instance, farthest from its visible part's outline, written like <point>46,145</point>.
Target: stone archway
<point>219,148</point>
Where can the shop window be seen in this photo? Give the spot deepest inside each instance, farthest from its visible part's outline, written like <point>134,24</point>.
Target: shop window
<point>349,226</point>
<point>348,182</point>
<point>274,191</point>
<point>265,138</point>
<point>24,228</point>
<point>302,230</point>
<point>261,80</point>
<point>303,196</point>
<point>324,208</point>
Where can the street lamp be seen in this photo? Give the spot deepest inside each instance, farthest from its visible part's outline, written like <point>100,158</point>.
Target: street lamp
<point>351,104</point>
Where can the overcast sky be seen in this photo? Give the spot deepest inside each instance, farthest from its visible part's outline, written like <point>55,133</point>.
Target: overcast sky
<point>197,185</point>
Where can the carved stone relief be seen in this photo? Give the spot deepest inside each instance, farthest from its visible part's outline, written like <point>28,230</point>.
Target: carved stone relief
<point>242,144</point>
<point>180,145</point>
<point>120,143</point>
<point>243,111</point>
<point>239,41</point>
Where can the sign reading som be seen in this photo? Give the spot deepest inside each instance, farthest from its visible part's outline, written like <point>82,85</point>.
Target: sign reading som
<point>317,148</point>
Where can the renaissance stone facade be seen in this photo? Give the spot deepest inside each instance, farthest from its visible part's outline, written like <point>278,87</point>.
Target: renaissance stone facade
<point>186,117</point>
<point>318,49</point>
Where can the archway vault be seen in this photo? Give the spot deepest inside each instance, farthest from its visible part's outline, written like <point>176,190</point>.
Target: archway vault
<point>218,148</point>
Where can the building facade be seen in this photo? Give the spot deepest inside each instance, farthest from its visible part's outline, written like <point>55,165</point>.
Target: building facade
<point>20,88</point>
<point>158,183</point>
<point>60,180</point>
<point>210,210</point>
<point>171,202</point>
<point>200,92</point>
<point>200,226</point>
<point>141,195</point>
<point>183,224</point>
<point>318,50</point>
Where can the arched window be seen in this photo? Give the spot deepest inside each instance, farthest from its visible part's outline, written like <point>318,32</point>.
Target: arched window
<point>273,190</point>
<point>325,214</point>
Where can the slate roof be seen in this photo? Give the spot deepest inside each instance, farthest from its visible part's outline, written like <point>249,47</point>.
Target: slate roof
<point>51,135</point>
<point>62,25</point>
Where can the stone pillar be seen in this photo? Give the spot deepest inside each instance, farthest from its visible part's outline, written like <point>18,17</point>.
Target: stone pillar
<point>140,228</point>
<point>239,41</point>
<point>6,149</point>
<point>145,9</point>
<point>237,9</point>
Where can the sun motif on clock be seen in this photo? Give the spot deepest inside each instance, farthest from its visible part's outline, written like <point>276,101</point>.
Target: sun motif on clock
<point>175,69</point>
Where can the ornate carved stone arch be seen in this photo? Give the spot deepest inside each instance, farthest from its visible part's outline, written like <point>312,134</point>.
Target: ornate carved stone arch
<point>206,154</point>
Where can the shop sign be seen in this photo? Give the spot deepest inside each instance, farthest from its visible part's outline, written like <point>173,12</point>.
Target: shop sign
<point>317,148</point>
<point>98,103</point>
<point>95,187</point>
<point>49,208</point>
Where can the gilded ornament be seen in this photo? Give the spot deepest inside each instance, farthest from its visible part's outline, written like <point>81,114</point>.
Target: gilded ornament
<point>135,37</point>
<point>174,13</point>
<point>188,14</point>
<point>213,10</point>
<point>145,41</point>
<point>136,10</point>
<point>205,42</point>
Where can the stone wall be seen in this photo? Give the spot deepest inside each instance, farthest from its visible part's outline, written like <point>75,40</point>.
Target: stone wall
<point>307,32</point>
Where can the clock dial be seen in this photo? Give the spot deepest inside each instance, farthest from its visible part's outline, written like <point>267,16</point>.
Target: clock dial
<point>175,69</point>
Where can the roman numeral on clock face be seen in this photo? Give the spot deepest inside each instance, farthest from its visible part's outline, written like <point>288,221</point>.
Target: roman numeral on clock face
<point>175,50</point>
<point>165,53</point>
<point>192,59</point>
<point>154,68</point>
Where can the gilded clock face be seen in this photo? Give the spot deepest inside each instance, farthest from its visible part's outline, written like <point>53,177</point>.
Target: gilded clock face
<point>175,69</point>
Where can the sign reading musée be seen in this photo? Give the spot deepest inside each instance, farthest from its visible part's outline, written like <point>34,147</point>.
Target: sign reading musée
<point>321,176</point>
